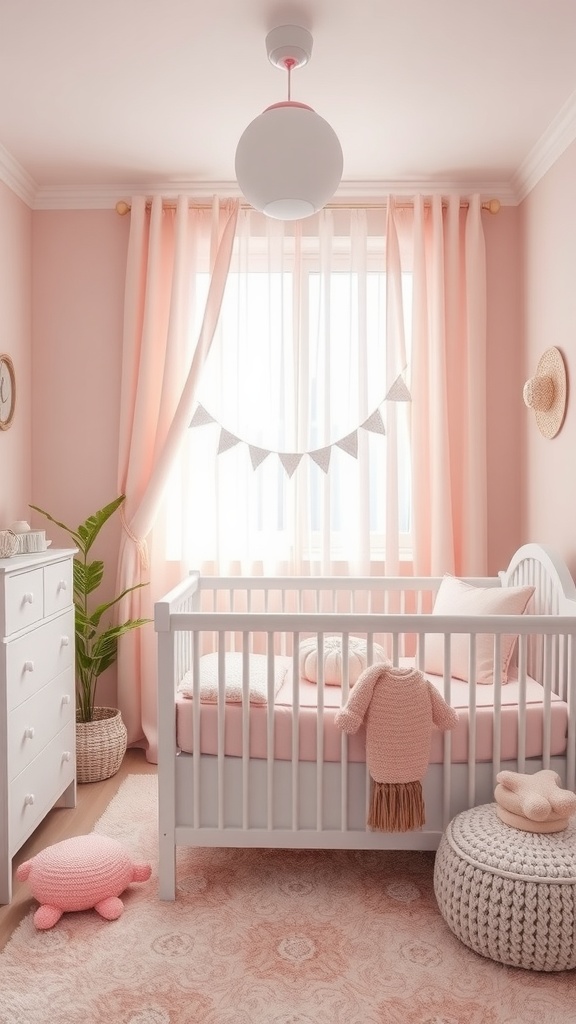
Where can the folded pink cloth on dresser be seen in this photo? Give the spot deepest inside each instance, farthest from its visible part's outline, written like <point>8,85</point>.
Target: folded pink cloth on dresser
<point>533,803</point>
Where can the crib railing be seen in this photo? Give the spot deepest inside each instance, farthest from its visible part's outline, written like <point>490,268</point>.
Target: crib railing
<point>554,636</point>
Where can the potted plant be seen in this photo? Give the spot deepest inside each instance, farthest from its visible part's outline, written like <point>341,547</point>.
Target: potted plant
<point>100,732</point>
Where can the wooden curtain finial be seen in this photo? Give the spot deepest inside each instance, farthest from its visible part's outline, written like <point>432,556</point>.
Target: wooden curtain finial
<point>122,207</point>
<point>493,206</point>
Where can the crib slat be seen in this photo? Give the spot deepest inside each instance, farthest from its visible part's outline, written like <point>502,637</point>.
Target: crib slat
<point>571,699</point>
<point>547,684</point>
<point>221,724</point>
<point>245,729</point>
<point>497,708</point>
<point>522,671</point>
<point>344,737</point>
<point>320,736</point>
<point>196,752</point>
<point>270,732</point>
<point>295,734</point>
<point>472,723</point>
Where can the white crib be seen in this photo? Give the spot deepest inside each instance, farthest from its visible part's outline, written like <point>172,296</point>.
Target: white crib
<point>236,775</point>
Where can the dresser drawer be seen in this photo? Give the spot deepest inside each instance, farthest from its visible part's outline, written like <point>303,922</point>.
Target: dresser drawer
<point>37,720</point>
<point>37,657</point>
<point>37,788</point>
<point>58,586</point>
<point>24,599</point>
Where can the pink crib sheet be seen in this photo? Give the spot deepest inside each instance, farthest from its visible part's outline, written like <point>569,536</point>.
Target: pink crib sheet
<point>307,718</point>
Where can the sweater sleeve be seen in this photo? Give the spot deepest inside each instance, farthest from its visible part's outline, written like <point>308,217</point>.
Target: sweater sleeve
<point>351,716</point>
<point>443,716</point>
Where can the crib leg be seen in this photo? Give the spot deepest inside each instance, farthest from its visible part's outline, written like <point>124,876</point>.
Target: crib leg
<point>167,868</point>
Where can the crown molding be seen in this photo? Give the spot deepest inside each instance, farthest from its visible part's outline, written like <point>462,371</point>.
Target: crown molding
<point>16,178</point>
<point>105,197</point>
<point>550,146</point>
<point>70,197</point>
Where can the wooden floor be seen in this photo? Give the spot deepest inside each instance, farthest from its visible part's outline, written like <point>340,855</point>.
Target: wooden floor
<point>61,823</point>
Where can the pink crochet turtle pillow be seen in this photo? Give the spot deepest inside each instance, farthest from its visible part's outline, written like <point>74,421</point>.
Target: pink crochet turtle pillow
<point>78,874</point>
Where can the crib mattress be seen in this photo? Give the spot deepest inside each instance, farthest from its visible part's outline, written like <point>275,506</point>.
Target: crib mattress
<point>285,720</point>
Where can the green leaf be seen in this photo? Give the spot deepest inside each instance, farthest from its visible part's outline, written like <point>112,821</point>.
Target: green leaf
<point>96,648</point>
<point>69,530</point>
<point>99,611</point>
<point>90,528</point>
<point>87,577</point>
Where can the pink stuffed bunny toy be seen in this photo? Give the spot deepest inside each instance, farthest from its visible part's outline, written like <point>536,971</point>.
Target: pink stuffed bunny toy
<point>78,874</point>
<point>534,803</point>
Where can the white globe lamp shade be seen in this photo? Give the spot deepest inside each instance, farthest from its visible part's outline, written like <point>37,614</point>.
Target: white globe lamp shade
<point>289,161</point>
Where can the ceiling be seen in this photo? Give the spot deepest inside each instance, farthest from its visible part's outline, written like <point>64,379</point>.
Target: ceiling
<point>104,97</point>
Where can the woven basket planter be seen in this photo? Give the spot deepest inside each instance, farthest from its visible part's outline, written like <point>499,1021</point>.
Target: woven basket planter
<point>100,745</point>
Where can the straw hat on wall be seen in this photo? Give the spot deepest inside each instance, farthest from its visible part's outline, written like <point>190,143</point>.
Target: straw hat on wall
<point>545,393</point>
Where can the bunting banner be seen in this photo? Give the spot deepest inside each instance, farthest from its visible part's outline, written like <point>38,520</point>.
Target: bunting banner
<point>374,424</point>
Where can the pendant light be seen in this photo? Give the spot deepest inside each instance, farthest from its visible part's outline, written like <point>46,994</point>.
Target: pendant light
<point>289,159</point>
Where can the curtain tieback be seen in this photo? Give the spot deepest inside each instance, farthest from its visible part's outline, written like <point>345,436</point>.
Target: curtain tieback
<point>141,545</point>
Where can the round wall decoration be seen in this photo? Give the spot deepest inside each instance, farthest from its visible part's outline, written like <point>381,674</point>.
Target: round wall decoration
<point>7,391</point>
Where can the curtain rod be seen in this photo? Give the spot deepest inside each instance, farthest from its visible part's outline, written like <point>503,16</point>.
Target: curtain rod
<point>122,207</point>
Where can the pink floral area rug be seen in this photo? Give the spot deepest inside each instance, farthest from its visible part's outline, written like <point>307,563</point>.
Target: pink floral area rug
<point>266,937</point>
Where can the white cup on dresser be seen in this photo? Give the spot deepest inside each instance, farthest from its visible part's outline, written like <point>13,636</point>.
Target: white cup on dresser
<point>20,526</point>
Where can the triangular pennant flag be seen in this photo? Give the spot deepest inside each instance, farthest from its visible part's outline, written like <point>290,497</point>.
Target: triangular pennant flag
<point>227,440</point>
<point>322,457</point>
<point>398,392</point>
<point>201,417</point>
<point>349,444</point>
<point>257,455</point>
<point>290,461</point>
<point>375,423</point>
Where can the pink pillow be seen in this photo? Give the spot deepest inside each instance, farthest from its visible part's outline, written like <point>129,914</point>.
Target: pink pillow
<point>455,597</point>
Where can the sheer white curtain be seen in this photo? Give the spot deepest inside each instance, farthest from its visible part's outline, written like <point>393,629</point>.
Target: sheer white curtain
<point>298,456</point>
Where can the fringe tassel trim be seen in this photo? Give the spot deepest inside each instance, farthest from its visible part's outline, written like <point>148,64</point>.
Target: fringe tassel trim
<point>396,806</point>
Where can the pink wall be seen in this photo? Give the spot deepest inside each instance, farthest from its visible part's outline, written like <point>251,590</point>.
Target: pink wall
<point>16,341</point>
<point>504,380</point>
<point>79,260</point>
<point>548,226</point>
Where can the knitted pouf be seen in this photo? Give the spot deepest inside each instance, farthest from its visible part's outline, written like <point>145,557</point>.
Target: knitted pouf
<point>507,894</point>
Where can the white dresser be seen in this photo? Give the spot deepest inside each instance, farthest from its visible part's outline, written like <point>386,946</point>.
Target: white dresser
<point>37,697</point>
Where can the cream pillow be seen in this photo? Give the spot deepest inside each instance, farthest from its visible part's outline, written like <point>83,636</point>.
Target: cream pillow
<point>357,659</point>
<point>257,684</point>
<point>455,597</point>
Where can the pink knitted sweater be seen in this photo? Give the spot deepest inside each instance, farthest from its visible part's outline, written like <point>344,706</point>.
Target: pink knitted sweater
<point>400,707</point>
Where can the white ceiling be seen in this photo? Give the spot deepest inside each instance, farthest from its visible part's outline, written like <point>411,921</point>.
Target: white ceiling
<point>102,97</point>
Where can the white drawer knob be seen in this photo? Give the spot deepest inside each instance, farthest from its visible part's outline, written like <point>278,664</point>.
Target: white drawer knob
<point>28,666</point>
<point>66,698</point>
<point>29,733</point>
<point>65,641</point>
<point>66,755</point>
<point>62,585</point>
<point>28,598</point>
<point>29,799</point>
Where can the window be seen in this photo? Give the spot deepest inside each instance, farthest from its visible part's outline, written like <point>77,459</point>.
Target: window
<point>299,363</point>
